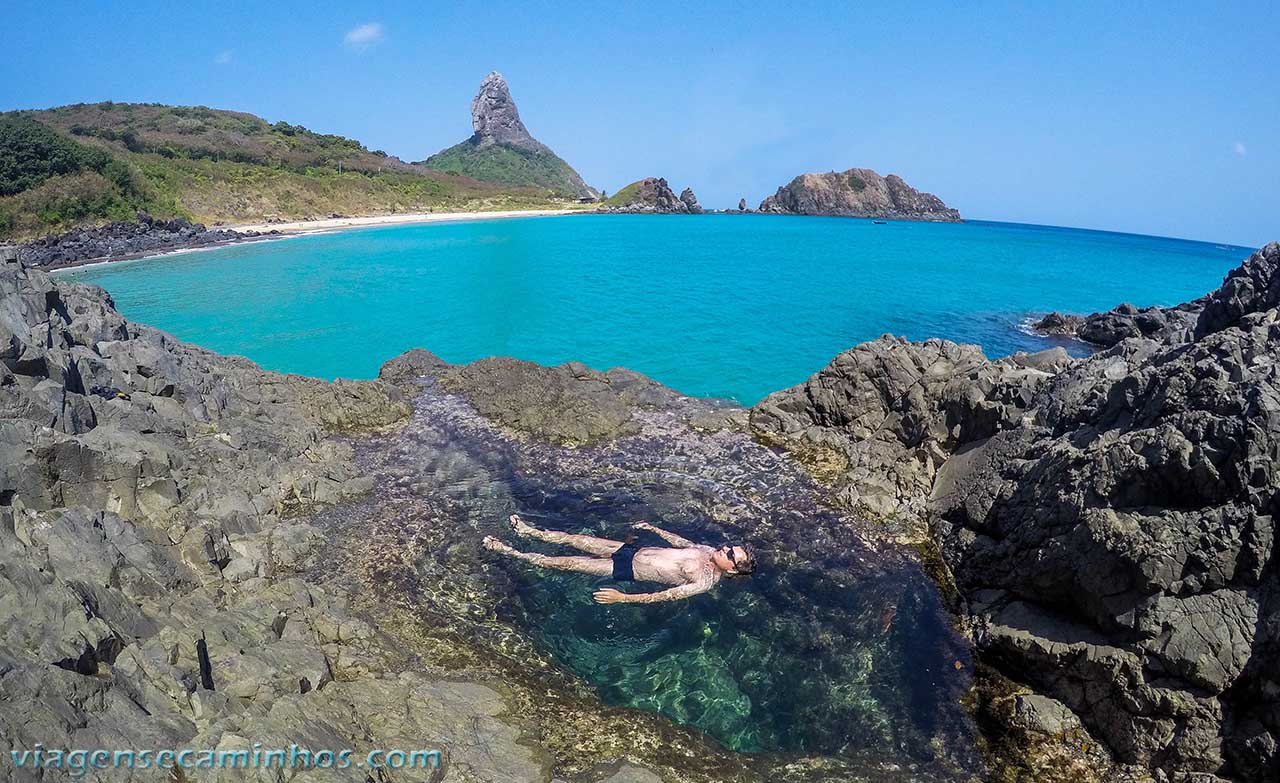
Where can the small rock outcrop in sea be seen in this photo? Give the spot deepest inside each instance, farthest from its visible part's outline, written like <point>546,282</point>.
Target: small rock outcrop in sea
<point>1108,522</point>
<point>1058,324</point>
<point>126,240</point>
<point>858,193</point>
<point>742,205</point>
<point>652,195</point>
<point>502,150</point>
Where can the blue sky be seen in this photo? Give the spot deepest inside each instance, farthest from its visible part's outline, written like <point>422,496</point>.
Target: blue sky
<point>1163,119</point>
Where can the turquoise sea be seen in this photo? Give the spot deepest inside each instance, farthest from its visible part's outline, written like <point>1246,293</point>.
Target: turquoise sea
<point>730,306</point>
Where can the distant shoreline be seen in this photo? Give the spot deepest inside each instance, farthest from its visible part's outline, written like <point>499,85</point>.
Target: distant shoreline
<point>338,224</point>
<point>265,232</point>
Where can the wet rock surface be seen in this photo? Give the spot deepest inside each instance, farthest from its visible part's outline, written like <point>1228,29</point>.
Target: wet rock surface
<point>857,193</point>
<point>129,239</point>
<point>1109,527</point>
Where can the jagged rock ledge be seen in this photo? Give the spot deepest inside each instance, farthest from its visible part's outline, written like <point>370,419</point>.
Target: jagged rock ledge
<point>127,239</point>
<point>1252,287</point>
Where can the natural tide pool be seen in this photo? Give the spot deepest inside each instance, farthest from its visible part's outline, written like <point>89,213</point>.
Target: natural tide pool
<point>732,306</point>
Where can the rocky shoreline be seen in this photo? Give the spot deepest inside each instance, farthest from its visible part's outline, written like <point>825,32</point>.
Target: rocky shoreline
<point>1103,527</point>
<point>124,240</point>
<point>1107,522</point>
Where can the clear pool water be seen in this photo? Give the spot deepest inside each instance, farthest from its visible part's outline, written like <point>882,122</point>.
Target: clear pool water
<point>729,306</point>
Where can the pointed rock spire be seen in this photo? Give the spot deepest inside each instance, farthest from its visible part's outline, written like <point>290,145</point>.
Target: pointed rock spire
<point>495,118</point>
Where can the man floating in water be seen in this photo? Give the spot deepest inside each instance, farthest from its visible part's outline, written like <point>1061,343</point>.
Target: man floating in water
<point>691,568</point>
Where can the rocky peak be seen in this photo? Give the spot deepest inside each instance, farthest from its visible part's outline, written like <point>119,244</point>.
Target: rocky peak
<point>690,200</point>
<point>495,118</point>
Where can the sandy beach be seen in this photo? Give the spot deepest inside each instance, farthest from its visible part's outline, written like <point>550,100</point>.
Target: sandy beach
<point>335,224</point>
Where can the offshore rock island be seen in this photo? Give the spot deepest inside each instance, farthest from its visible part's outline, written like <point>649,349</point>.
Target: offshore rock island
<point>857,193</point>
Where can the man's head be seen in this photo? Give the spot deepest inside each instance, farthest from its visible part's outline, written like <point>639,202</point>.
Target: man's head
<point>735,559</point>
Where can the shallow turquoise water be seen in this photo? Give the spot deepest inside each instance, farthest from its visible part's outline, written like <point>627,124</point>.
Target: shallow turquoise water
<point>718,305</point>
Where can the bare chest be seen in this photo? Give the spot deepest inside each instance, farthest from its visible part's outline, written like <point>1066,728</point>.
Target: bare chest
<point>671,566</point>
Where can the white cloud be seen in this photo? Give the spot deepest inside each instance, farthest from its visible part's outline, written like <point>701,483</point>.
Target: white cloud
<point>364,36</point>
<point>223,57</point>
<point>1240,149</point>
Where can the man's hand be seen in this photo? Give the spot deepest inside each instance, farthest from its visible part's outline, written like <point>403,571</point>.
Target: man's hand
<point>642,525</point>
<point>607,595</point>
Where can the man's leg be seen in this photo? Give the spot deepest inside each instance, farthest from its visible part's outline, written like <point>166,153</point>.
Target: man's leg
<point>601,547</point>
<point>596,566</point>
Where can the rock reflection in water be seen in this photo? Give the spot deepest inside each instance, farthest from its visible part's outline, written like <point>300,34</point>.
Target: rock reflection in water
<point>837,645</point>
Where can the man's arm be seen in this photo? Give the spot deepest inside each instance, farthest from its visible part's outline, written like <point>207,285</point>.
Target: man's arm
<point>669,537</point>
<point>610,596</point>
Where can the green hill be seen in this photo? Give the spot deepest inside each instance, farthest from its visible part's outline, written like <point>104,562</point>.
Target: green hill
<point>507,165</point>
<point>92,163</point>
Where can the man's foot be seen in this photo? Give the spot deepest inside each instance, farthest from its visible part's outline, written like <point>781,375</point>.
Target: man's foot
<point>494,545</point>
<point>519,525</point>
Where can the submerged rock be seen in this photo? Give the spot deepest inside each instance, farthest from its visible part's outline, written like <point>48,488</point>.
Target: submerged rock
<point>857,193</point>
<point>1109,528</point>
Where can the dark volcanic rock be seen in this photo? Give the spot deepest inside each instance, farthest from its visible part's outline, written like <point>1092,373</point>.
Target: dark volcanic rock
<point>1058,324</point>
<point>1112,535</point>
<point>857,193</point>
<point>883,416</point>
<point>742,205</point>
<point>125,240</point>
<point>690,201</point>
<point>1250,288</point>
<point>652,195</point>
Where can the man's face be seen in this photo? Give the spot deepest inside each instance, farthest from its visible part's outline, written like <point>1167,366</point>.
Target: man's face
<point>732,559</point>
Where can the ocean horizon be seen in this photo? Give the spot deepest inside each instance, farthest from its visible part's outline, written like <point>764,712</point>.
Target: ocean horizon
<point>729,306</point>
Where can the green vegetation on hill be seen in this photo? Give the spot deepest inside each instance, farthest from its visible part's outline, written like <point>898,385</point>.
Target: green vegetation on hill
<point>89,164</point>
<point>507,165</point>
<point>48,179</point>
<point>624,196</point>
